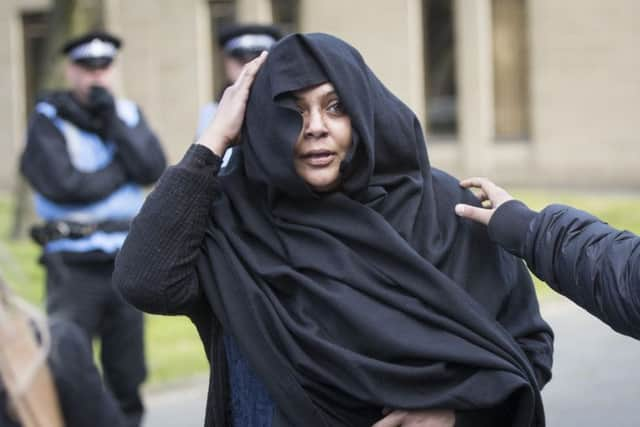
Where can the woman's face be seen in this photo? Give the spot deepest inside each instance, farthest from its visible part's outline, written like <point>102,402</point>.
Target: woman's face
<point>324,139</point>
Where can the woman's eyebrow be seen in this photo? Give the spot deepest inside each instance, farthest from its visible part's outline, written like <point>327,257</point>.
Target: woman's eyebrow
<point>298,98</point>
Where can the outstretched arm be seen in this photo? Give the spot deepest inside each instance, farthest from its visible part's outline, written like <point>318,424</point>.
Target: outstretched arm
<point>578,255</point>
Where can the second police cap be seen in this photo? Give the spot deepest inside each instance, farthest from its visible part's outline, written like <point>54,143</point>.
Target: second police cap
<point>95,49</point>
<point>247,40</point>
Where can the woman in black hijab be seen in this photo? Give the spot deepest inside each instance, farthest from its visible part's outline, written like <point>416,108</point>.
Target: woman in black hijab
<point>324,268</point>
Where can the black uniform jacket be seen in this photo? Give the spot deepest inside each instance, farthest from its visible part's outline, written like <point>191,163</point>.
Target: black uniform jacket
<point>578,255</point>
<point>47,165</point>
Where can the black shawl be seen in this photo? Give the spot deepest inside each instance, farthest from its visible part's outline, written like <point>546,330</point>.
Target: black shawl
<point>372,296</point>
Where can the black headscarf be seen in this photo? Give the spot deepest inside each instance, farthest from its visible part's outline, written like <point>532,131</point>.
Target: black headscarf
<point>372,296</point>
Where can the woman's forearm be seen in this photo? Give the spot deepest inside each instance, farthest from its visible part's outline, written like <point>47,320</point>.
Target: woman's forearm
<point>155,269</point>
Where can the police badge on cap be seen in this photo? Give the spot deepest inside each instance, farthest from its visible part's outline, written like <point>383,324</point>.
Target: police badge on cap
<point>96,49</point>
<point>246,41</point>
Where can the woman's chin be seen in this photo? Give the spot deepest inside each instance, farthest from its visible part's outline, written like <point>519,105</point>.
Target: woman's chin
<point>323,184</point>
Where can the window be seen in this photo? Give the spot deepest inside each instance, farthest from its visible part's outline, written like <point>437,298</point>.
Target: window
<point>510,65</point>
<point>440,68</point>
<point>286,15</point>
<point>34,27</point>
<point>221,12</point>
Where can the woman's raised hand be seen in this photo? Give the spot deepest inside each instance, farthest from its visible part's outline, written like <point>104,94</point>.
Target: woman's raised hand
<point>224,129</point>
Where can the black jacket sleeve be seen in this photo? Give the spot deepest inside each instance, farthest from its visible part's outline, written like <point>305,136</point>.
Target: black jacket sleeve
<point>47,166</point>
<point>583,258</point>
<point>156,268</point>
<point>139,150</point>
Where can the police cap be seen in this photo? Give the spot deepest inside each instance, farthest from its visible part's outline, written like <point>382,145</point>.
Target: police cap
<point>246,41</point>
<point>95,49</point>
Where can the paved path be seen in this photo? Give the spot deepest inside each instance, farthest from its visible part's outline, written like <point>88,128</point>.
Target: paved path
<point>178,406</point>
<point>596,379</point>
<point>596,372</point>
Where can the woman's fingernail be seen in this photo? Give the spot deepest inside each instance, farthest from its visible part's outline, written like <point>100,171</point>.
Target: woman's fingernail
<point>459,209</point>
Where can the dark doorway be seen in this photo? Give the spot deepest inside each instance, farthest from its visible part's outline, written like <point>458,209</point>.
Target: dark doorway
<point>34,27</point>
<point>286,15</point>
<point>440,68</point>
<point>511,70</point>
<point>221,12</point>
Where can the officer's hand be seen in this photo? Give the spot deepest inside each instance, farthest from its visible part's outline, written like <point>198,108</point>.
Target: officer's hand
<point>489,194</point>
<point>421,418</point>
<point>224,129</point>
<point>101,101</point>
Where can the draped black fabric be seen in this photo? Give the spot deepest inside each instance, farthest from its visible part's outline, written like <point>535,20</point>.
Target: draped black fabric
<point>372,296</point>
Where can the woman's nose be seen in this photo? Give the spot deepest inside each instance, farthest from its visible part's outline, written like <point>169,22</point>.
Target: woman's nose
<point>315,126</point>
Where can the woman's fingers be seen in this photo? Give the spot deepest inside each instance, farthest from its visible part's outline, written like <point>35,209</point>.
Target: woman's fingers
<point>239,91</point>
<point>240,88</point>
<point>394,419</point>
<point>418,418</point>
<point>224,129</point>
<point>249,71</point>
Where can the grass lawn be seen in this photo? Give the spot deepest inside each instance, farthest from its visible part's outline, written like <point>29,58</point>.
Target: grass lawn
<point>173,348</point>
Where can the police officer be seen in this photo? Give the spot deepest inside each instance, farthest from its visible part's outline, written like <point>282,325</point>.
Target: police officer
<point>239,44</point>
<point>87,156</point>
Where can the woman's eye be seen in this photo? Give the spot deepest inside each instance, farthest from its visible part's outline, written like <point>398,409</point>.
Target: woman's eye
<point>336,107</point>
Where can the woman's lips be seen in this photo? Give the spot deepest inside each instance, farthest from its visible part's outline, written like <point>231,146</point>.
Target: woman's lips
<point>318,158</point>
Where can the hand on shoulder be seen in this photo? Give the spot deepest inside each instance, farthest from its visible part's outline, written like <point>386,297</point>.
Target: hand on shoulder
<point>489,194</point>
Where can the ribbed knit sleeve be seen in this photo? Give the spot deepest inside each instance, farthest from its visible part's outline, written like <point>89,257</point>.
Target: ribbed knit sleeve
<point>155,269</point>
